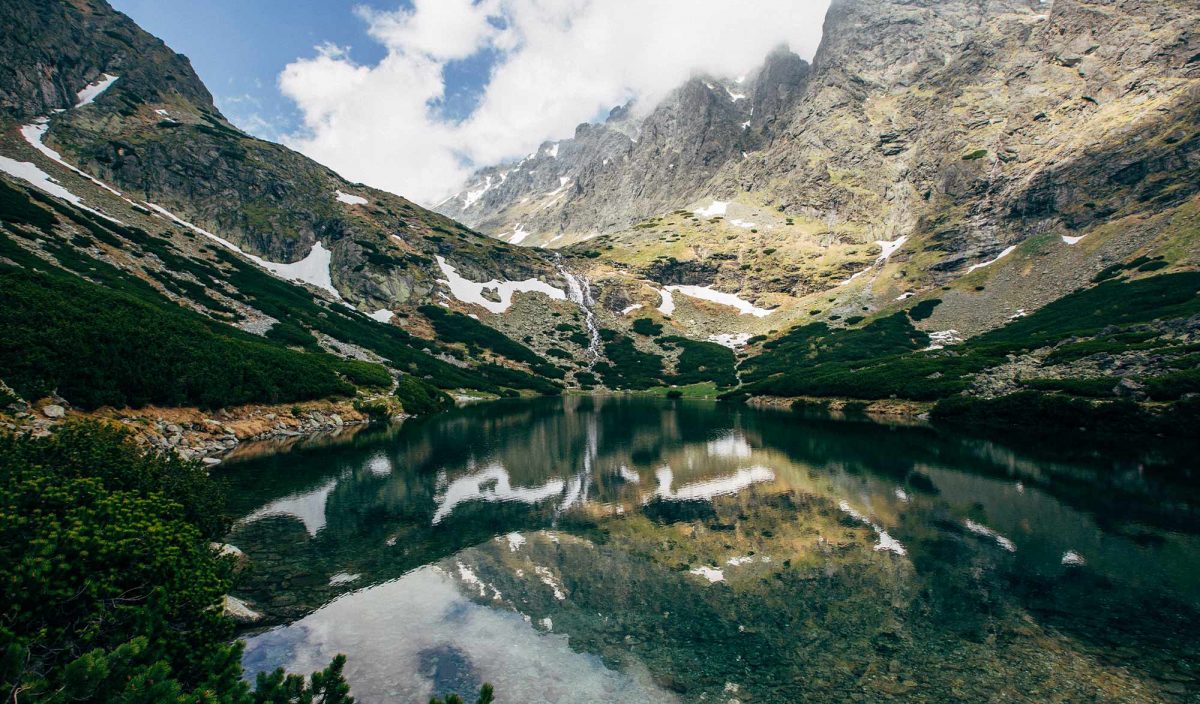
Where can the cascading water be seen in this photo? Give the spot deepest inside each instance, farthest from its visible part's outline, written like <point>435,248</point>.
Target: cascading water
<point>579,291</point>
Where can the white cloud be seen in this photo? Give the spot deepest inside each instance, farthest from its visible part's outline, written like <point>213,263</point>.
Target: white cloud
<point>440,29</point>
<point>561,62</point>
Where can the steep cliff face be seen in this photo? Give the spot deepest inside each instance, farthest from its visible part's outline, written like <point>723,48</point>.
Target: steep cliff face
<point>1002,117</point>
<point>154,134</point>
<point>504,200</point>
<point>51,50</point>
<point>636,164</point>
<point>932,149</point>
<point>778,86</point>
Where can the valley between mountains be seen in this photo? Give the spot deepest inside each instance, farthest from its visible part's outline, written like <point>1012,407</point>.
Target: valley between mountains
<point>952,203</point>
<point>866,376</point>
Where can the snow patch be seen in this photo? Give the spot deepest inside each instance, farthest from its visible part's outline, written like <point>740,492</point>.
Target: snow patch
<point>349,198</point>
<point>979,529</point>
<point>515,541</point>
<point>938,340</point>
<point>1071,557</point>
<point>472,292</point>
<point>726,299</point>
<point>470,197</point>
<point>548,579</point>
<point>742,224</point>
<point>1005,253</point>
<point>889,248</point>
<point>629,309</point>
<point>667,305</point>
<point>1072,240</point>
<point>42,181</point>
<point>519,234</point>
<point>93,90</point>
<point>383,315</point>
<point>35,132</point>
<point>712,574</point>
<point>312,269</point>
<point>718,207</point>
<point>468,576</point>
<point>887,542</point>
<point>731,340</point>
<point>552,151</point>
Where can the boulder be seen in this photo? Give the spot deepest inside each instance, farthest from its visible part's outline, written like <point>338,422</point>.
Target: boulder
<point>239,610</point>
<point>1129,389</point>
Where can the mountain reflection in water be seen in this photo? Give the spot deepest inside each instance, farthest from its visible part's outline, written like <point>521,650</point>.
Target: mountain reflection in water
<point>615,549</point>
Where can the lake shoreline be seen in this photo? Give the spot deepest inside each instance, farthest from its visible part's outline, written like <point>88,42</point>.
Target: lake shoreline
<point>192,433</point>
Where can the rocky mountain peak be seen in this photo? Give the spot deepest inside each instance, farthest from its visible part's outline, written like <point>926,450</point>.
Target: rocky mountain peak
<point>46,60</point>
<point>635,163</point>
<point>776,88</point>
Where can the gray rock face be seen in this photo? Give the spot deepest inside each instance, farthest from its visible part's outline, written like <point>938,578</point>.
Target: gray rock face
<point>551,174</point>
<point>778,86</point>
<point>968,126</point>
<point>45,59</point>
<point>960,121</point>
<point>612,175</point>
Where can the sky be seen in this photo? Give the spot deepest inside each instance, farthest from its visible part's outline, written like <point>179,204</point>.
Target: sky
<point>411,96</point>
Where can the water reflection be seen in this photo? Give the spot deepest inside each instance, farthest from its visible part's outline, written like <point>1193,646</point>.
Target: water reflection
<point>608,549</point>
<point>493,484</point>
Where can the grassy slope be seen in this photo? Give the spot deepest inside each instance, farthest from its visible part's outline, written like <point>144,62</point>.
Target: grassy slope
<point>115,338</point>
<point>879,360</point>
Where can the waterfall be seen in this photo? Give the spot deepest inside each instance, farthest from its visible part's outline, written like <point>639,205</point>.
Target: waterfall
<point>579,292</point>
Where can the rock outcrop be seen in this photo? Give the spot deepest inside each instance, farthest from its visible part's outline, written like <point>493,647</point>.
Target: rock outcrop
<point>927,140</point>
<point>978,125</point>
<point>636,164</point>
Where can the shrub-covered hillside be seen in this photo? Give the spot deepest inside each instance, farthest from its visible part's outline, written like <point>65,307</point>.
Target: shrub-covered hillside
<point>110,591</point>
<point>1137,340</point>
<point>83,324</point>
